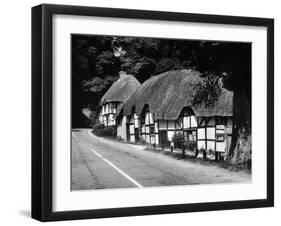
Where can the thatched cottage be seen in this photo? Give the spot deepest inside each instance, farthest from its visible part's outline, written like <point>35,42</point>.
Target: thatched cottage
<point>163,106</point>
<point>119,91</point>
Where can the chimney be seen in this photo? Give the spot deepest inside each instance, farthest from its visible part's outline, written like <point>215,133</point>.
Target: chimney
<point>122,74</point>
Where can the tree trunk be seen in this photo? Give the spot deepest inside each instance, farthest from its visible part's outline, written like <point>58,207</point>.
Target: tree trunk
<point>242,153</point>
<point>241,150</point>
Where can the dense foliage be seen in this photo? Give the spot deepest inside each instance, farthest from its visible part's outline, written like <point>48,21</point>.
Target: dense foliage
<point>178,140</point>
<point>94,69</point>
<point>190,145</point>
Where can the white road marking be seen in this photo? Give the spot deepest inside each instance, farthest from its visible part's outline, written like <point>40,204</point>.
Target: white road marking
<point>120,171</point>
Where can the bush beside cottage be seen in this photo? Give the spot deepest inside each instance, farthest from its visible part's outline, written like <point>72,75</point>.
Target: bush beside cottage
<point>104,131</point>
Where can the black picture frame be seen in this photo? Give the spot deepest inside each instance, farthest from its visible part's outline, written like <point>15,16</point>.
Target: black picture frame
<point>42,111</point>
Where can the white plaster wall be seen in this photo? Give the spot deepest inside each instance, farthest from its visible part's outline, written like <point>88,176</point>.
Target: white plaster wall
<point>121,129</point>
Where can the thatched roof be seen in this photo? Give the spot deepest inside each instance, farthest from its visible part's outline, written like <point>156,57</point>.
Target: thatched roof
<point>221,107</point>
<point>121,89</point>
<point>168,93</point>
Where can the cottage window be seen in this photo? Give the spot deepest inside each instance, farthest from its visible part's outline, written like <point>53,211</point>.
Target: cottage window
<point>152,131</point>
<point>190,135</point>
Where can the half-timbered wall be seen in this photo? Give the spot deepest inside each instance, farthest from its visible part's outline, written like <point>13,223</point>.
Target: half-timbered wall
<point>107,115</point>
<point>133,128</point>
<point>214,133</point>
<point>149,128</point>
<point>186,125</point>
<point>143,127</point>
<point>211,133</point>
<point>189,127</point>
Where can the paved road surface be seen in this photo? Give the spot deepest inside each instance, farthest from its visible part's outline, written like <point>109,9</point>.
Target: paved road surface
<point>99,163</point>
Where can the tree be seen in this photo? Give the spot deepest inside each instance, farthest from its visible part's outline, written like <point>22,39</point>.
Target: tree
<point>146,57</point>
<point>94,68</point>
<point>228,65</point>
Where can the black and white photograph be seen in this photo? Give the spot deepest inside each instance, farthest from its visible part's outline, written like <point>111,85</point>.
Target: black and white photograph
<point>150,112</point>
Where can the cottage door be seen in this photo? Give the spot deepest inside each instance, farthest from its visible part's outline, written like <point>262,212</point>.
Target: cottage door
<point>128,131</point>
<point>136,134</point>
<point>163,138</point>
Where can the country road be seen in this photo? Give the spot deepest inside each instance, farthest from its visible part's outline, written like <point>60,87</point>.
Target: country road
<point>99,163</point>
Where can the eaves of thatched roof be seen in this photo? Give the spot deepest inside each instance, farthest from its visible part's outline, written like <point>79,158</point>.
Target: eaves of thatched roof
<point>168,93</point>
<point>121,89</point>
